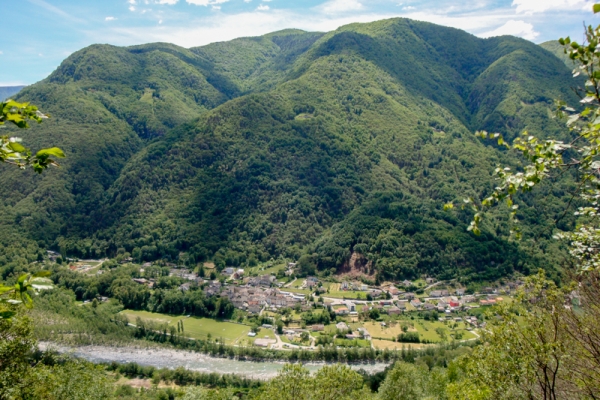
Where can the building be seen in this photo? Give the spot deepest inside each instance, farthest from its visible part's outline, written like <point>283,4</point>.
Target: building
<point>228,271</point>
<point>317,328</point>
<point>394,311</point>
<point>342,326</point>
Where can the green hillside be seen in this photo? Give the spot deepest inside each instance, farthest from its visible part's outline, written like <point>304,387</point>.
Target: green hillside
<point>289,144</point>
<point>555,48</point>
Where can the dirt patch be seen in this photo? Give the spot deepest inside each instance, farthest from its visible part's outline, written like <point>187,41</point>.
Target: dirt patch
<point>357,266</point>
<point>139,383</point>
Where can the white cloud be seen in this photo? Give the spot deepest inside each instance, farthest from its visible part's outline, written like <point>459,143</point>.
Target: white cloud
<point>160,21</point>
<point>340,6</point>
<point>263,7</point>
<point>515,28</point>
<point>131,8</point>
<point>1,52</point>
<point>408,8</point>
<point>169,2</point>
<point>539,6</point>
<point>206,2</point>
<point>109,18</point>
<point>132,2</point>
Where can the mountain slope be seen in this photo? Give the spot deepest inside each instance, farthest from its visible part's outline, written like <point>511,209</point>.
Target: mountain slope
<point>323,144</point>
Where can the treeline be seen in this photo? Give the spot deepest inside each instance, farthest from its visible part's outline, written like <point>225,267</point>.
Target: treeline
<point>183,377</point>
<point>168,298</point>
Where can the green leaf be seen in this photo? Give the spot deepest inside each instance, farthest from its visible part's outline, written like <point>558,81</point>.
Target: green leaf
<point>7,314</point>
<point>52,151</point>
<point>596,8</point>
<point>41,274</point>
<point>18,147</point>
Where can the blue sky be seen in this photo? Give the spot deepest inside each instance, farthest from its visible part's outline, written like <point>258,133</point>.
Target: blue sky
<point>39,34</point>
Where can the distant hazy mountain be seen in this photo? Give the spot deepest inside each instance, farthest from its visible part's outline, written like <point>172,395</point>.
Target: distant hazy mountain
<point>558,50</point>
<point>9,91</point>
<point>340,146</point>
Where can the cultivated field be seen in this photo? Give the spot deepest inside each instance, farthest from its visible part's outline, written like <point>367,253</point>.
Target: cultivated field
<point>197,328</point>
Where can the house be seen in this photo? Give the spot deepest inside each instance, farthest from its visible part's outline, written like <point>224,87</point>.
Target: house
<point>406,283</point>
<point>416,303</point>
<point>345,286</point>
<point>375,292</point>
<point>409,296</point>
<point>185,287</point>
<point>351,306</point>
<point>352,336</point>
<point>342,326</point>
<point>460,292</point>
<point>401,305</point>
<point>364,287</point>
<point>454,303</point>
<point>394,311</point>
<point>393,291</point>
<point>254,308</point>
<point>364,333</point>
<point>429,306</point>
<point>317,328</point>
<point>429,281</point>
<point>251,334</point>
<point>228,271</point>
<point>342,311</point>
<point>386,302</point>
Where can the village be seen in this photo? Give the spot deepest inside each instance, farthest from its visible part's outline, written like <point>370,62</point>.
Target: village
<point>308,312</point>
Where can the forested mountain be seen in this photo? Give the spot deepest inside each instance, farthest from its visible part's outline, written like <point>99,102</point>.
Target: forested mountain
<point>9,91</point>
<point>290,144</point>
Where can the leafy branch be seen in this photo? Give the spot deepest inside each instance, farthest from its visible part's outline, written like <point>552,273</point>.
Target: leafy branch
<point>11,149</point>
<point>21,291</point>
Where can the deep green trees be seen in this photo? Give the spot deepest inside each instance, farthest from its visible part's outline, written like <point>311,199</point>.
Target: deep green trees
<point>300,144</point>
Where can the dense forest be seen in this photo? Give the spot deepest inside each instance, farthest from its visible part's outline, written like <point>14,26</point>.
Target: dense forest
<point>322,145</point>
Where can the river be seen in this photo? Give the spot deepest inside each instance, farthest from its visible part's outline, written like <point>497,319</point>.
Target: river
<point>169,358</point>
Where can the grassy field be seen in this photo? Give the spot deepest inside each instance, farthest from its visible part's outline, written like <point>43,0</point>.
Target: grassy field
<point>335,292</point>
<point>391,330</point>
<point>197,328</point>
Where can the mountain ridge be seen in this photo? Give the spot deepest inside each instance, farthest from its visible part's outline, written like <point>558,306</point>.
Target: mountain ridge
<point>285,144</point>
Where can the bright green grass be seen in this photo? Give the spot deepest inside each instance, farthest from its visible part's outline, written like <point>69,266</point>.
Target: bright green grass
<point>352,343</point>
<point>196,328</point>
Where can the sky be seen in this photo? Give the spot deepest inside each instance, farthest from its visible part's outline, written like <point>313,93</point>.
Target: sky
<point>39,34</point>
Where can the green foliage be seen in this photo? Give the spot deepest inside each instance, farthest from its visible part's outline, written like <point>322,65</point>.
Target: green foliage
<point>329,383</point>
<point>11,149</point>
<point>287,145</point>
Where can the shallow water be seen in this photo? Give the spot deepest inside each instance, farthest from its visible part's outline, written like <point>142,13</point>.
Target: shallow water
<point>168,358</point>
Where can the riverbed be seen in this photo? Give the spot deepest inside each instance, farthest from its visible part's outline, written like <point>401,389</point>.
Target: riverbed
<point>170,358</point>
